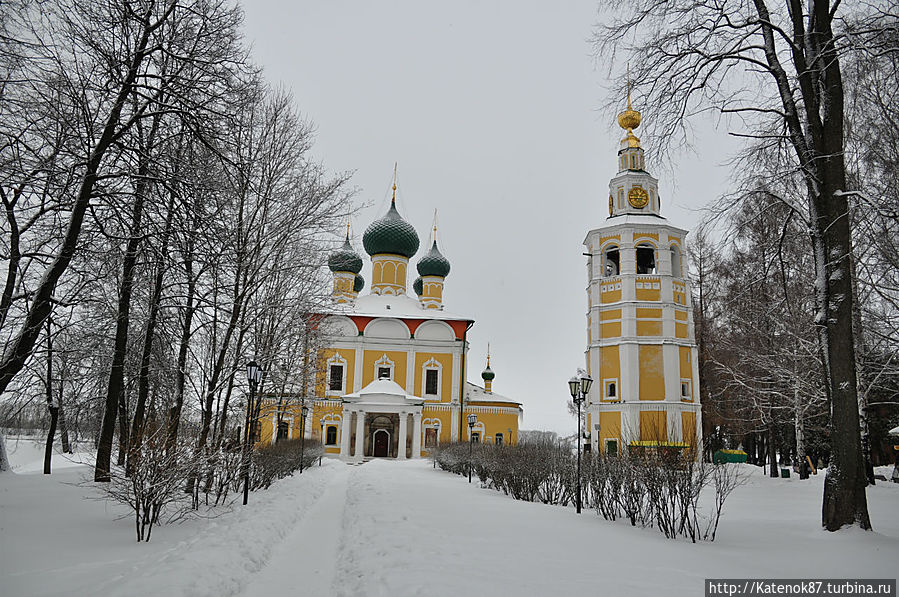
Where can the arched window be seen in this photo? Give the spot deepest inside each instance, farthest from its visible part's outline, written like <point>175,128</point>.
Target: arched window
<point>499,439</point>
<point>646,259</point>
<point>611,261</point>
<point>676,265</point>
<point>331,435</point>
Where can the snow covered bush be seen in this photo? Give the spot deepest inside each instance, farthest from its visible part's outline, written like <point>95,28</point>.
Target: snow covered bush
<point>153,487</point>
<point>665,490</point>
<point>276,461</point>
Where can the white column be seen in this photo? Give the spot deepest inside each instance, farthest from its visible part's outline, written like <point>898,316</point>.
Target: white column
<point>454,423</point>
<point>360,432</point>
<point>401,445</point>
<point>345,433</point>
<point>416,435</point>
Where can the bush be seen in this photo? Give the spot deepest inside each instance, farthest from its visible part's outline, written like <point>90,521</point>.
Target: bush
<point>276,461</point>
<point>660,490</point>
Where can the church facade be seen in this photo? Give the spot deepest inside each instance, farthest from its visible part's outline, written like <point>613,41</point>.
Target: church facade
<point>641,348</point>
<point>392,377</point>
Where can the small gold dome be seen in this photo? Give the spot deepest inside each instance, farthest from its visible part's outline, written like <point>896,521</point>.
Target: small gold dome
<point>629,119</point>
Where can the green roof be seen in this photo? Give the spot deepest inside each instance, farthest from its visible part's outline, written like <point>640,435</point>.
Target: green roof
<point>488,374</point>
<point>391,234</point>
<point>418,286</point>
<point>434,264</point>
<point>345,259</point>
<point>358,283</point>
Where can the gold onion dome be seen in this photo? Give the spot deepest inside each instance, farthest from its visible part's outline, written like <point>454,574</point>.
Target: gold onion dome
<point>629,119</point>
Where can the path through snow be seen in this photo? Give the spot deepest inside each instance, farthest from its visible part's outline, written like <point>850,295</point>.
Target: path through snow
<point>310,551</point>
<point>402,528</point>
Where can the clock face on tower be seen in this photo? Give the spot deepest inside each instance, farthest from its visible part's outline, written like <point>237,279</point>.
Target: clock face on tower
<point>638,197</point>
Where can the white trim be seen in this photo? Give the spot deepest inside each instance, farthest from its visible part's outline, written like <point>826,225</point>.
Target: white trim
<point>336,359</point>
<point>431,364</point>
<point>689,387</point>
<point>389,442</point>
<point>384,361</point>
<point>432,423</point>
<point>605,390</point>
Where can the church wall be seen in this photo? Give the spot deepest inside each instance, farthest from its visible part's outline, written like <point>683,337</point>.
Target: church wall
<point>447,373</point>
<point>609,428</point>
<point>397,361</point>
<point>493,420</point>
<point>610,366</point>
<point>652,376</point>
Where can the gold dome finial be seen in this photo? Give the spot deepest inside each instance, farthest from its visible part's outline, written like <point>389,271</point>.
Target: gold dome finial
<point>348,229</point>
<point>488,355</point>
<point>393,198</point>
<point>630,118</point>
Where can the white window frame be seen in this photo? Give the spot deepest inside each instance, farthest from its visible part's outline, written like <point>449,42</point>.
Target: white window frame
<point>688,384</point>
<point>336,359</point>
<point>331,421</point>
<point>605,389</point>
<point>431,364</point>
<point>385,361</point>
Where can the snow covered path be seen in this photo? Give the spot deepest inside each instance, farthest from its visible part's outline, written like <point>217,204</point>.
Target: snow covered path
<point>402,528</point>
<point>310,550</point>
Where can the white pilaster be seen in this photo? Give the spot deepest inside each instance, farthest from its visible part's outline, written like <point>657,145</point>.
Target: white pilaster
<point>345,433</point>
<point>416,435</point>
<point>401,445</point>
<point>360,433</point>
<point>454,423</point>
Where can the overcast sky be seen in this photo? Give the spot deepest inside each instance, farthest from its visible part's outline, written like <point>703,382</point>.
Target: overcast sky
<point>492,110</point>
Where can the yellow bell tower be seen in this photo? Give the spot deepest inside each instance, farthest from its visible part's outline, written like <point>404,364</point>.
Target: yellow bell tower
<point>641,348</point>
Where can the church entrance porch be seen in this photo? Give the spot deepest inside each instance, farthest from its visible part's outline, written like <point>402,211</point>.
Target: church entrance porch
<point>381,421</point>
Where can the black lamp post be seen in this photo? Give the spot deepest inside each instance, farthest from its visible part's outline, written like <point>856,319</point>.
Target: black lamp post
<point>304,410</point>
<point>254,376</point>
<point>472,420</point>
<point>579,389</point>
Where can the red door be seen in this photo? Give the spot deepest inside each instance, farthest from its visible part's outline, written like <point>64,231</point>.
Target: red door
<point>382,439</point>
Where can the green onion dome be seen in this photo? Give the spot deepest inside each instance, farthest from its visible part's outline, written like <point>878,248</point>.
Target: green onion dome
<point>488,374</point>
<point>358,283</point>
<point>418,286</point>
<point>390,234</point>
<point>434,264</point>
<point>345,259</point>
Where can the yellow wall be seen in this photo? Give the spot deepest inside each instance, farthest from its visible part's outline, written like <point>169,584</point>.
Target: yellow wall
<point>611,296</point>
<point>652,372</point>
<point>688,421</point>
<point>610,323</point>
<point>609,428</point>
<point>349,355</point>
<point>680,330</point>
<point>388,271</point>
<point>648,294</point>
<point>399,366</point>
<point>610,368</point>
<point>653,426</point>
<point>446,374</point>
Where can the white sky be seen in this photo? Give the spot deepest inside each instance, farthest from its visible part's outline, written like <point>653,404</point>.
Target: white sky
<point>491,110</point>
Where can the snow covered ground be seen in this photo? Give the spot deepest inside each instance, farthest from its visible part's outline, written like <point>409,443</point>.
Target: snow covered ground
<point>402,528</point>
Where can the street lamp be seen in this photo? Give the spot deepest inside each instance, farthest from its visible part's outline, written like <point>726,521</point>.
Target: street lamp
<point>579,389</point>
<point>254,376</point>
<point>472,420</point>
<point>304,410</point>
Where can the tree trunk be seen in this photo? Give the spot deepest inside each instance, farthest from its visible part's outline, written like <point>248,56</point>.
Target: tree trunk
<point>63,427</point>
<point>48,449</point>
<point>772,452</point>
<point>54,410</point>
<point>143,380</point>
